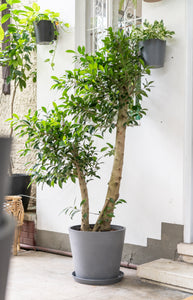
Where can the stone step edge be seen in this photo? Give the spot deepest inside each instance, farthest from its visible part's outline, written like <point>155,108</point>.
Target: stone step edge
<point>154,272</point>
<point>185,249</point>
<point>174,287</point>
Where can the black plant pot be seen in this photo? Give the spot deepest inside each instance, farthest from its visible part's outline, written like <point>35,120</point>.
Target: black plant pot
<point>97,255</point>
<point>19,186</point>
<point>153,52</point>
<point>44,32</point>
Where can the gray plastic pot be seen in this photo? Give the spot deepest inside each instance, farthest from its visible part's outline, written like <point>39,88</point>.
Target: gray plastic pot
<point>6,239</point>
<point>7,223</point>
<point>97,255</point>
<point>153,52</point>
<point>5,147</point>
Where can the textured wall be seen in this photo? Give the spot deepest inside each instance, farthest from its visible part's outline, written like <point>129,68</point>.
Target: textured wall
<point>23,101</point>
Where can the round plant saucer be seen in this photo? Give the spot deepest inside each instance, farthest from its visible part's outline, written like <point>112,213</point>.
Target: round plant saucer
<point>98,281</point>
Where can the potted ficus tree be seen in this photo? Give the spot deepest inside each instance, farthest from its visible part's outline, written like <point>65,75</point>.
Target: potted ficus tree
<point>152,40</point>
<point>101,95</point>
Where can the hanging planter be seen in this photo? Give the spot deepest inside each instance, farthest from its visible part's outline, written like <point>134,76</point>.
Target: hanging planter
<point>153,52</point>
<point>44,32</point>
<point>152,42</point>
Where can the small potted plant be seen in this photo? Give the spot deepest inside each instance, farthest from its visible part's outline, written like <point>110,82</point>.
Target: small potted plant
<point>45,23</point>
<point>152,40</point>
<point>101,95</point>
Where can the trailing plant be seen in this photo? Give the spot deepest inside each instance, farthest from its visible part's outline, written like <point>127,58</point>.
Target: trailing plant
<point>19,44</point>
<point>148,31</point>
<point>102,94</point>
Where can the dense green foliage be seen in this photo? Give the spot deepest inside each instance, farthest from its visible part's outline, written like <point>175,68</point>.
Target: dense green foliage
<point>102,79</point>
<point>103,93</point>
<point>20,40</point>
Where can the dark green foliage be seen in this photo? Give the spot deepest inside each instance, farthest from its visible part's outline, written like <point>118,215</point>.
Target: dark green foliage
<point>104,78</point>
<point>60,145</point>
<point>105,88</point>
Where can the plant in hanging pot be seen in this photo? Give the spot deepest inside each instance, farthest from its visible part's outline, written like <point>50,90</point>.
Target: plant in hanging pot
<point>102,95</point>
<point>19,48</point>
<point>45,23</point>
<point>16,55</point>
<point>152,40</point>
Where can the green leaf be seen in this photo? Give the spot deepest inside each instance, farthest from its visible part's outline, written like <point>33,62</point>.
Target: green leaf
<point>104,149</point>
<point>82,202</point>
<point>28,8</point>
<point>85,216</point>
<point>16,116</point>
<point>3,6</point>
<point>70,51</point>
<point>111,215</point>
<point>1,33</point>
<point>5,18</point>
<point>44,109</point>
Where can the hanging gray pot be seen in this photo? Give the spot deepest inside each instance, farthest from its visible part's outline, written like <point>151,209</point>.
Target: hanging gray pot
<point>97,255</point>
<point>6,222</point>
<point>44,32</point>
<point>153,52</point>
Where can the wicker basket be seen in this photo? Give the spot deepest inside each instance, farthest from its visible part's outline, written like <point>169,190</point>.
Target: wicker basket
<point>13,206</point>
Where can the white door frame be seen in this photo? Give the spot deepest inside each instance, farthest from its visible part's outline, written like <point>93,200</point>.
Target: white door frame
<point>188,140</point>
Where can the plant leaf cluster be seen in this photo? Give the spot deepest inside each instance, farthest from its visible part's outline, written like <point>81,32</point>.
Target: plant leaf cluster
<point>148,31</point>
<point>102,79</point>
<point>20,39</point>
<point>60,146</point>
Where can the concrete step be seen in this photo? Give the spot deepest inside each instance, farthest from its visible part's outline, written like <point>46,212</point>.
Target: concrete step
<point>186,252</point>
<point>175,274</point>
<point>185,249</point>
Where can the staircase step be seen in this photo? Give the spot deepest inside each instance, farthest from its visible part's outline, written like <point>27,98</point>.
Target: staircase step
<point>185,249</point>
<point>178,275</point>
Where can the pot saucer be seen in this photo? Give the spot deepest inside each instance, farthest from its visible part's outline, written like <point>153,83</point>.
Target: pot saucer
<point>98,281</point>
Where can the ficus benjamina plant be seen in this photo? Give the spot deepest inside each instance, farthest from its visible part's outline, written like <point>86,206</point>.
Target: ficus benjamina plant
<point>102,94</point>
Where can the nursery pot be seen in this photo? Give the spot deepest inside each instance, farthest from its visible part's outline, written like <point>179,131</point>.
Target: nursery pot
<point>5,147</point>
<point>44,32</point>
<point>153,52</point>
<point>7,227</point>
<point>19,186</point>
<point>97,255</point>
<point>6,222</point>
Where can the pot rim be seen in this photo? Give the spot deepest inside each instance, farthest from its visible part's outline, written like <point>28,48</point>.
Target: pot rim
<point>113,226</point>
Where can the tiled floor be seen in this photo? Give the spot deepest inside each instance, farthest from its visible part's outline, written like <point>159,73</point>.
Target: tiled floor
<point>43,276</point>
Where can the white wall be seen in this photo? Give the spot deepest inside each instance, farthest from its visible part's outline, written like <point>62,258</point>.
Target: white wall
<point>153,171</point>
